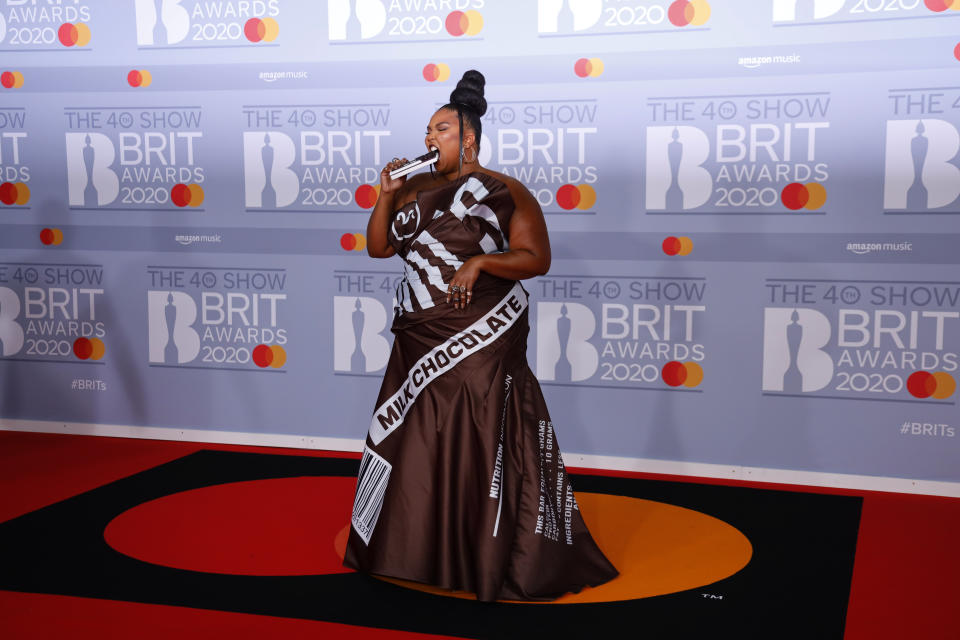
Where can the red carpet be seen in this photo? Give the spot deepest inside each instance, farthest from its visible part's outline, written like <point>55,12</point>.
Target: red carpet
<point>904,578</point>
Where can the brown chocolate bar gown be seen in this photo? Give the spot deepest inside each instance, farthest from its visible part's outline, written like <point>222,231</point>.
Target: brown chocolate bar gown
<point>461,483</point>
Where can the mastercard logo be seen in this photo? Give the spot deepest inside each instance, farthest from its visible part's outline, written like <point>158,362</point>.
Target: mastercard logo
<point>89,348</point>
<point>684,12</point>
<point>438,72</point>
<point>588,67</point>
<point>939,385</point>
<point>942,5</point>
<point>353,242</point>
<point>50,236</point>
<point>366,195</point>
<point>11,79</point>
<point>676,373</point>
<point>12,193</point>
<point>677,246</point>
<point>581,196</point>
<point>74,35</point>
<point>272,355</point>
<point>139,78</point>
<point>956,51</point>
<point>261,29</point>
<point>810,196</point>
<point>186,194</point>
<point>464,23</point>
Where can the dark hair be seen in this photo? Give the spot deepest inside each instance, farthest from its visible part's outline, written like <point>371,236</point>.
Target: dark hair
<point>468,101</point>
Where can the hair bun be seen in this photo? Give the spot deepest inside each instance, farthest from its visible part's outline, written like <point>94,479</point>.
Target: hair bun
<point>469,92</point>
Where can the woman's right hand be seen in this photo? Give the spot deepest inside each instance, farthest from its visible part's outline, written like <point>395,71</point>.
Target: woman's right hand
<point>388,184</point>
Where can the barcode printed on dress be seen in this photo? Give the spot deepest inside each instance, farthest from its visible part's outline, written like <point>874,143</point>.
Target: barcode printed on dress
<point>371,487</point>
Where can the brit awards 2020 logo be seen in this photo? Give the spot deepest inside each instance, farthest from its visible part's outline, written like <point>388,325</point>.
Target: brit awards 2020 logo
<point>821,11</point>
<point>572,17</point>
<point>548,145</point>
<point>187,24</point>
<point>363,21</point>
<point>53,313</point>
<point>622,332</point>
<point>35,25</point>
<point>14,159</point>
<point>758,154</point>
<point>136,158</point>
<point>869,340</point>
<point>922,152</point>
<point>313,158</point>
<point>217,318</point>
<point>362,313</point>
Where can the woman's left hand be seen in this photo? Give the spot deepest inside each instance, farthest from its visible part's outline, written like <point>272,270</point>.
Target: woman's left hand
<point>460,287</point>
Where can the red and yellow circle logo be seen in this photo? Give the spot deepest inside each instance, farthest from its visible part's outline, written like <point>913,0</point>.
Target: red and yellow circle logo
<point>74,34</point>
<point>464,23</point>
<point>51,236</point>
<point>261,29</point>
<point>11,79</point>
<point>956,51</point>
<point>436,72</point>
<point>14,193</point>
<point>939,385</point>
<point>272,355</point>
<point>677,245</point>
<point>580,196</point>
<point>942,5</point>
<point>366,195</point>
<point>809,196</point>
<point>588,67</point>
<point>89,348</point>
<point>139,78</point>
<point>676,373</point>
<point>684,12</point>
<point>353,242</point>
<point>186,194</point>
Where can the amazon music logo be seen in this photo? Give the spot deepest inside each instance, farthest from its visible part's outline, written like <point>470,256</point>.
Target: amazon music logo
<point>53,313</point>
<point>362,314</point>
<point>575,17</point>
<point>870,340</point>
<point>548,146</point>
<point>755,154</point>
<point>922,152</point>
<point>826,11</point>
<point>622,332</point>
<point>377,21</point>
<point>217,318</point>
<point>35,25</point>
<point>313,158</point>
<point>134,158</point>
<point>191,24</point>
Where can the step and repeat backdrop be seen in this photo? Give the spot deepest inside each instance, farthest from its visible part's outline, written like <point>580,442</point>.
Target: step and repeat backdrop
<point>754,208</point>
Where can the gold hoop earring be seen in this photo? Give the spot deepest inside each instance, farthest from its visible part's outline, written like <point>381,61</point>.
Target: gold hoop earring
<point>473,159</point>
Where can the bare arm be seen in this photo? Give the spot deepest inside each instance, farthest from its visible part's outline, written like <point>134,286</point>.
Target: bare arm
<point>529,253</point>
<point>378,226</point>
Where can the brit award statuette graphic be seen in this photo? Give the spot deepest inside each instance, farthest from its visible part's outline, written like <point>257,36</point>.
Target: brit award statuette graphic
<point>372,21</point>
<point>313,158</point>
<point>861,339</point>
<point>217,318</point>
<point>621,332</point>
<point>134,158</point>
<point>193,24</point>
<point>739,154</point>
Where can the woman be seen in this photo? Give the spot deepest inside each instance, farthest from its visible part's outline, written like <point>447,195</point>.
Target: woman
<point>461,483</point>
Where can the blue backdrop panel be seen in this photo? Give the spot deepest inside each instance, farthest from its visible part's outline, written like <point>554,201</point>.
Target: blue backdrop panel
<point>753,208</point>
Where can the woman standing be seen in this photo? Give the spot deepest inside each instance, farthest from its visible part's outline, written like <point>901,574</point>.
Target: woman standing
<point>461,483</point>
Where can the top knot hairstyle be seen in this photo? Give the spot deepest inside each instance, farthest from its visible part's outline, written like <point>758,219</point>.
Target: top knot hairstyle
<point>468,101</point>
